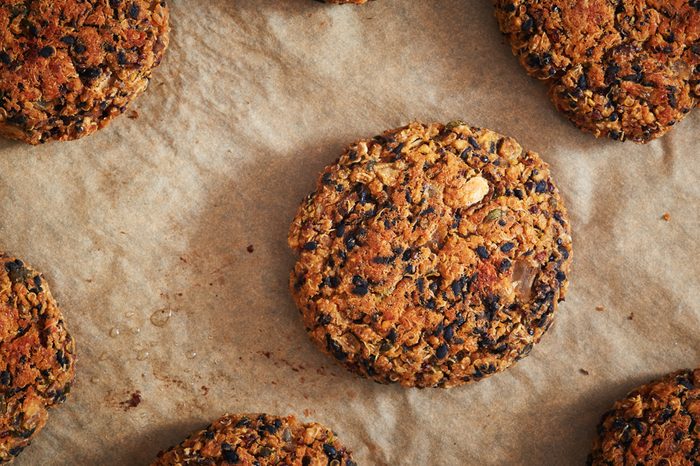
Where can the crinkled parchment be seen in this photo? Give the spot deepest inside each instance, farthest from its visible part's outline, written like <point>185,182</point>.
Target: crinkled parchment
<point>150,220</point>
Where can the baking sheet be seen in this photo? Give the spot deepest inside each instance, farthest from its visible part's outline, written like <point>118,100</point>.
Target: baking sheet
<point>143,231</point>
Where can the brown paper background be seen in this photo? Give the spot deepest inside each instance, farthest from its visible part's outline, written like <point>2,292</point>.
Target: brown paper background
<point>253,99</point>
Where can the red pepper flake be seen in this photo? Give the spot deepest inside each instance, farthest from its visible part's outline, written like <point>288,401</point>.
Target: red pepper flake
<point>666,217</point>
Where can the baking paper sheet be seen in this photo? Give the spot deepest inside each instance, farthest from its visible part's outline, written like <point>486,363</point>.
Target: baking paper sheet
<point>152,218</point>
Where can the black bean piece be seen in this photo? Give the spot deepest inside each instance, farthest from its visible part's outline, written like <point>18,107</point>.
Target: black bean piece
<point>228,454</point>
<point>582,82</point>
<point>672,99</point>
<point>457,288</point>
<point>335,349</point>
<point>361,287</point>
<point>244,422</point>
<point>310,246</point>
<point>299,282</point>
<point>47,51</point>
<point>90,73</point>
<point>330,451</point>
<point>134,11</point>
<point>611,73</point>
<point>62,358</point>
<point>449,333</point>
<point>17,119</point>
<point>340,229</point>
<point>507,247</point>
<point>350,242</point>
<point>504,265</point>
<point>381,260</point>
<point>442,351</point>
<point>686,383</point>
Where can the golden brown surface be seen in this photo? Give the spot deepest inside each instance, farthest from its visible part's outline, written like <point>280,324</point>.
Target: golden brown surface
<point>627,69</point>
<point>37,356</point>
<point>431,255</point>
<point>68,67</point>
<point>259,439</point>
<point>654,424</point>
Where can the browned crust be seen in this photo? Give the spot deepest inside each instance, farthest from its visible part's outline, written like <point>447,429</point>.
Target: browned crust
<point>67,68</point>
<point>250,439</point>
<point>37,355</point>
<point>627,69</point>
<point>431,255</point>
<point>658,423</point>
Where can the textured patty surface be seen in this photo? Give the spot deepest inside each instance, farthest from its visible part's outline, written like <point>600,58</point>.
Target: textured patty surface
<point>626,69</point>
<point>68,67</point>
<point>37,355</point>
<point>431,255</point>
<point>658,423</point>
<point>259,439</point>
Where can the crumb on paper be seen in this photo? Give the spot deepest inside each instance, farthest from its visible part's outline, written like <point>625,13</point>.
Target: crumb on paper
<point>250,248</point>
<point>631,316</point>
<point>666,217</point>
<point>133,114</point>
<point>584,371</point>
<point>133,401</point>
<point>600,308</point>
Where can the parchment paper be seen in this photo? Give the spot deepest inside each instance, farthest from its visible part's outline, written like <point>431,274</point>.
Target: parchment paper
<point>155,215</point>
